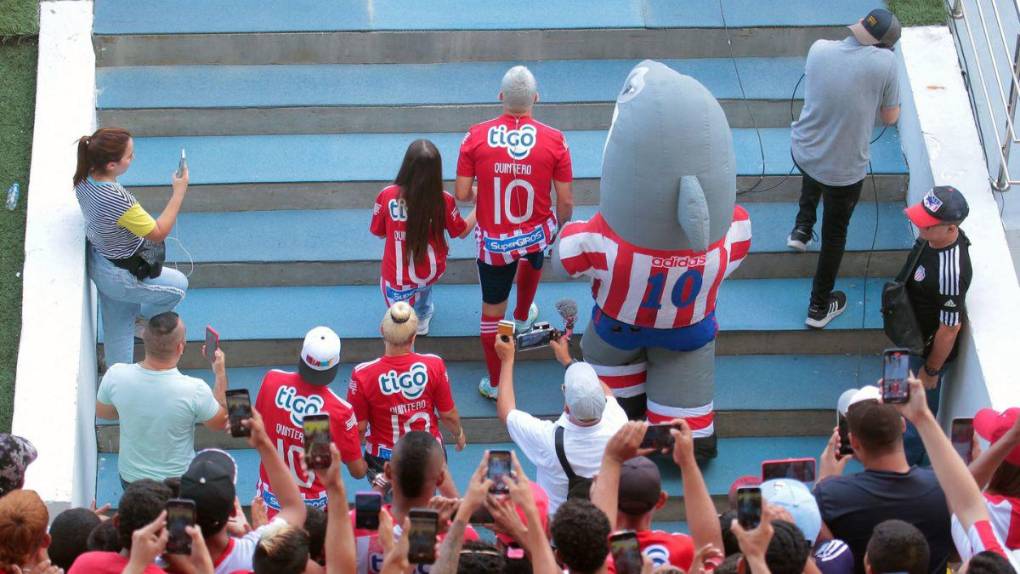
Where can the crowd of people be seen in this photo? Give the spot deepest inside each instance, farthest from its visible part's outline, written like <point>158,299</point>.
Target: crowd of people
<point>915,507</point>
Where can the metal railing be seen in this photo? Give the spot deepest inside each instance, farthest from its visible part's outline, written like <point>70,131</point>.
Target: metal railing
<point>1000,55</point>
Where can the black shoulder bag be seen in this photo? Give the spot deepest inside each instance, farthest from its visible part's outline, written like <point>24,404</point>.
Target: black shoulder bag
<point>898,318</point>
<point>577,486</point>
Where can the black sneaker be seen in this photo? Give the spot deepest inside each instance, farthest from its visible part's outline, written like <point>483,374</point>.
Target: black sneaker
<point>820,316</point>
<point>799,239</point>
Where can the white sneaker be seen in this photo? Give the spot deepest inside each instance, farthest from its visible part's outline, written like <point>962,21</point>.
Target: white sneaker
<point>799,239</point>
<point>524,326</point>
<point>423,326</point>
<point>486,389</point>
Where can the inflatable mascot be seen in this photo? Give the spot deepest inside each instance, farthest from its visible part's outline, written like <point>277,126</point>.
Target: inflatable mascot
<point>666,234</point>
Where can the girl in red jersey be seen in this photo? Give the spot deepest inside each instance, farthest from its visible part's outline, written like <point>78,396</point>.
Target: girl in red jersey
<point>413,214</point>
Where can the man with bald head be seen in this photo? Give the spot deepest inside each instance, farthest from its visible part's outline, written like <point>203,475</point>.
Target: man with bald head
<point>158,406</point>
<point>516,162</point>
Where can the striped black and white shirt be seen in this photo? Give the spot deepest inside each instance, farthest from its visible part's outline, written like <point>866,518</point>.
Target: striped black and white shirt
<point>938,285</point>
<point>115,223</point>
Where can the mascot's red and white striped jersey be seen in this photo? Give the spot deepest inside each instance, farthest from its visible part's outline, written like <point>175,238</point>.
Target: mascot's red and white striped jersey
<point>515,160</point>
<point>648,287</point>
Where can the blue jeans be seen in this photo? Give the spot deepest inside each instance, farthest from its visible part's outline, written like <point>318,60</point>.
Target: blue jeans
<point>122,298</point>
<point>420,300</point>
<point>912,445</point>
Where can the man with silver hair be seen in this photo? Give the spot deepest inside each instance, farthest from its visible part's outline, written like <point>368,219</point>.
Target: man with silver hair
<point>516,161</point>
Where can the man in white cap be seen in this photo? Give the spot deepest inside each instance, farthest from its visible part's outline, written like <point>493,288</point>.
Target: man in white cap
<point>285,398</point>
<point>591,416</point>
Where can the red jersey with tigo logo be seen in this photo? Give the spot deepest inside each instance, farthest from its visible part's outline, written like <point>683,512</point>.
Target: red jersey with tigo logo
<point>370,551</point>
<point>515,160</point>
<point>662,548</point>
<point>648,287</point>
<point>283,401</point>
<point>389,220</point>
<point>397,395</point>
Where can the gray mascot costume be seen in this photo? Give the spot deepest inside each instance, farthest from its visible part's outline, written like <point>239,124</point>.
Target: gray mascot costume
<point>666,235</point>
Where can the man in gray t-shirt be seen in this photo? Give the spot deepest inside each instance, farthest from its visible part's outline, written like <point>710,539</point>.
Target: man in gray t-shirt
<point>848,87</point>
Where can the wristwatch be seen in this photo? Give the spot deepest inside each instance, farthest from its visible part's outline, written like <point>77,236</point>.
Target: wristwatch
<point>930,371</point>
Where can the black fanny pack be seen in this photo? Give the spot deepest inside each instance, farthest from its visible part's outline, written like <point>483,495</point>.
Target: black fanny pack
<point>146,263</point>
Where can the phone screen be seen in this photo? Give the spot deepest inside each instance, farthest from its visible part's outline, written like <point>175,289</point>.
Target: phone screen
<point>844,435</point>
<point>626,552</point>
<point>212,342</point>
<point>658,437</point>
<point>499,470</point>
<point>367,506</point>
<point>422,537</point>
<point>180,513</point>
<point>182,164</point>
<point>749,507</point>
<point>317,440</point>
<point>895,371</point>
<point>798,469</point>
<point>534,339</point>
<point>238,409</point>
<point>962,435</point>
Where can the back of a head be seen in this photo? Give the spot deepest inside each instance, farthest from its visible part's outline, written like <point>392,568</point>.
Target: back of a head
<point>988,562</point>
<point>104,538</point>
<point>162,334</point>
<point>23,521</point>
<point>788,550</point>
<point>580,532</point>
<point>70,535</point>
<point>399,324</point>
<point>1006,480</point>
<point>315,526</point>
<point>877,427</point>
<point>477,556</point>
<point>518,88</point>
<point>414,462</point>
<point>421,181</point>
<point>897,546</point>
<point>281,550</point>
<point>140,504</point>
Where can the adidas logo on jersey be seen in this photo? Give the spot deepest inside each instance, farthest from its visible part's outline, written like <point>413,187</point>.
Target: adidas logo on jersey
<point>950,304</point>
<point>518,143</point>
<point>411,384</point>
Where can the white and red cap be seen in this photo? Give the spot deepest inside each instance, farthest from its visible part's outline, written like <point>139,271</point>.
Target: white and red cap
<point>320,356</point>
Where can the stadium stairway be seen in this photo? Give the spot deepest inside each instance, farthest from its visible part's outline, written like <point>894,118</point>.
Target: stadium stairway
<point>295,113</point>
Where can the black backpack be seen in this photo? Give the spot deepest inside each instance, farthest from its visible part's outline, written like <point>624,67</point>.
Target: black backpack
<point>898,318</point>
<point>577,486</point>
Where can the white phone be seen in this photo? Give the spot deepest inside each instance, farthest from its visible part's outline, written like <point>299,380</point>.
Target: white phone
<point>183,164</point>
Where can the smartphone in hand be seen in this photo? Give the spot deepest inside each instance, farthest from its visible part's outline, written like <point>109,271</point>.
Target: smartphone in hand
<point>180,513</point>
<point>317,441</point>
<point>749,507</point>
<point>238,409</point>
<point>802,469</point>
<point>626,552</point>
<point>657,436</point>
<point>422,536</point>
<point>367,506</point>
<point>212,343</point>
<point>961,434</point>
<point>499,471</point>
<point>895,372</point>
<point>182,164</point>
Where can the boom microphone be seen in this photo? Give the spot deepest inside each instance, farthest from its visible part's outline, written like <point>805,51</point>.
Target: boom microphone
<point>567,308</point>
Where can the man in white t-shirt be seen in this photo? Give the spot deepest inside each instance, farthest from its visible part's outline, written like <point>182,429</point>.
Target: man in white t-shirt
<point>591,416</point>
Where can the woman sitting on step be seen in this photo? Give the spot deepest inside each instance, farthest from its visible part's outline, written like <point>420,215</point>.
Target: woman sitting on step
<point>413,214</point>
<point>125,243</point>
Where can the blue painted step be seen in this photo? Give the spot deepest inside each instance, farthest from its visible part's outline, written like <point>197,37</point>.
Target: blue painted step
<point>562,81</point>
<point>201,16</point>
<point>343,235</point>
<point>377,157</point>
<point>354,312</point>
<point>814,381</point>
<point>737,457</point>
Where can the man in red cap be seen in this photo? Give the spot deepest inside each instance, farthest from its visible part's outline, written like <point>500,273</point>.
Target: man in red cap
<point>937,287</point>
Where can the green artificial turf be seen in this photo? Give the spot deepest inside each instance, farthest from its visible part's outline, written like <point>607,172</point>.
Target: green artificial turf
<point>19,17</point>
<point>17,102</point>
<point>918,12</point>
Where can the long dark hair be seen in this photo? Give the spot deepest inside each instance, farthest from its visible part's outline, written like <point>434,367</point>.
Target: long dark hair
<point>1006,480</point>
<point>95,151</point>
<point>421,185</point>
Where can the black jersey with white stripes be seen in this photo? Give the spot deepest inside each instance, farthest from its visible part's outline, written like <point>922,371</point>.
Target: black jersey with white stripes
<point>937,288</point>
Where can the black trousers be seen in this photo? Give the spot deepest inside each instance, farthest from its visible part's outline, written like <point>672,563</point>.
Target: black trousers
<point>838,203</point>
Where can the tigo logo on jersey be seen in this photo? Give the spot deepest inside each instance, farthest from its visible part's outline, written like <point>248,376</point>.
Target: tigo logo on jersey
<point>411,384</point>
<point>398,209</point>
<point>518,143</point>
<point>657,554</point>
<point>298,406</point>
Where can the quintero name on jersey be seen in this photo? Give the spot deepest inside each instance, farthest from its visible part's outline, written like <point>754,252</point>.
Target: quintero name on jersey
<point>518,143</point>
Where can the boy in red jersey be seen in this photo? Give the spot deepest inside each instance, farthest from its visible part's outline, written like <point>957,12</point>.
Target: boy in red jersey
<point>402,391</point>
<point>516,161</point>
<point>285,398</point>
<point>412,215</point>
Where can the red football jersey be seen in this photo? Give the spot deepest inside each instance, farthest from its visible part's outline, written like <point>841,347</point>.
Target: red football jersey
<point>284,399</point>
<point>515,160</point>
<point>397,395</point>
<point>370,551</point>
<point>389,220</point>
<point>649,287</point>
<point>662,548</point>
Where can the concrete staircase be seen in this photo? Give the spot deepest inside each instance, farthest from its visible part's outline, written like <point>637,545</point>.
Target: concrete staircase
<point>295,113</point>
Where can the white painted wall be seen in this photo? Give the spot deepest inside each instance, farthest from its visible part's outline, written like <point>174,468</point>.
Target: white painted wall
<point>942,147</point>
<point>54,399</point>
